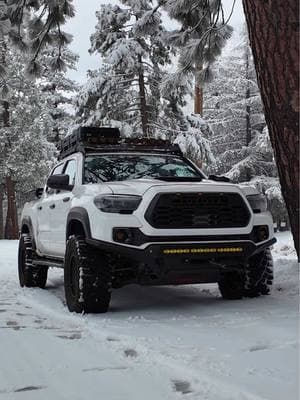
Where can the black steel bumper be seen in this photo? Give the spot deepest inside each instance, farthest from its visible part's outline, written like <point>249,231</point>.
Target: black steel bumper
<point>179,263</point>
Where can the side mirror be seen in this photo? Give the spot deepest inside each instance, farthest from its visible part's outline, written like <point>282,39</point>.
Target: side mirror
<point>59,182</point>
<point>39,192</point>
<point>218,178</point>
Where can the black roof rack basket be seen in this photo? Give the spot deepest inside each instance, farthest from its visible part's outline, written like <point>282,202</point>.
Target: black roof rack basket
<point>105,139</point>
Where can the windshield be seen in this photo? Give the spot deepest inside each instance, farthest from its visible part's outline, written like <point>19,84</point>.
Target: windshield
<point>120,167</point>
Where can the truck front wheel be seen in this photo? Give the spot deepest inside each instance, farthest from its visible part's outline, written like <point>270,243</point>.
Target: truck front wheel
<point>86,277</point>
<point>259,274</point>
<point>256,279</point>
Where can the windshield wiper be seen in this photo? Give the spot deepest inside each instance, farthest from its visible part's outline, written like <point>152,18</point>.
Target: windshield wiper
<point>101,177</point>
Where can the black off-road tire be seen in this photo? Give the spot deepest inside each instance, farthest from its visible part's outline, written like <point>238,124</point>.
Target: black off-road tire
<point>256,279</point>
<point>259,274</point>
<point>87,277</point>
<point>30,275</point>
<point>232,284</point>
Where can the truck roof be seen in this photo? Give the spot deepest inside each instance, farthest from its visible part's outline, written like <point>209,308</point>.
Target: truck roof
<point>106,139</point>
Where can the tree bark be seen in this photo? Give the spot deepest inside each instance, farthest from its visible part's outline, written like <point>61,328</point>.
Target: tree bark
<point>198,100</point>
<point>274,37</point>
<point>143,102</point>
<point>198,96</point>
<point>248,108</point>
<point>247,96</point>
<point>11,225</point>
<point>11,230</point>
<point>1,211</point>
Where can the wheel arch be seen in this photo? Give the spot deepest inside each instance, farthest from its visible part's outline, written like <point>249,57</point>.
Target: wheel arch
<point>78,223</point>
<point>27,227</point>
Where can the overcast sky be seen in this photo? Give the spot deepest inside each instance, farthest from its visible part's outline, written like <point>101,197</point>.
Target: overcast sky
<point>83,25</point>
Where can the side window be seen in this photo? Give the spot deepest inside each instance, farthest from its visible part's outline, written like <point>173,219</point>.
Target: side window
<point>57,170</point>
<point>70,169</point>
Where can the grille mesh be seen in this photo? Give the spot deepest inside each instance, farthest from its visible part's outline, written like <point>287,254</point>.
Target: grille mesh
<point>197,210</point>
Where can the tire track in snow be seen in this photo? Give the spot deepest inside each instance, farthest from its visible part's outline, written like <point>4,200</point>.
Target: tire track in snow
<point>142,354</point>
<point>47,311</point>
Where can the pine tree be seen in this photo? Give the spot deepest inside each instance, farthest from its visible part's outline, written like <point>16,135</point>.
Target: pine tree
<point>126,88</point>
<point>233,107</point>
<point>42,20</point>
<point>133,89</point>
<point>27,26</point>
<point>274,38</point>
<point>240,139</point>
<point>200,39</point>
<point>57,90</point>
<point>25,153</point>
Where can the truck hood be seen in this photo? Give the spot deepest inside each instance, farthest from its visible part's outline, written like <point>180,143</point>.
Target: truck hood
<point>141,186</point>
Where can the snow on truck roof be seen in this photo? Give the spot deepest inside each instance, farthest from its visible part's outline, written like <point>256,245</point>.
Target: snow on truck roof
<point>106,139</point>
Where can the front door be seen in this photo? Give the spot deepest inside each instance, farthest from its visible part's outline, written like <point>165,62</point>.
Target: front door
<point>59,207</point>
<point>43,216</point>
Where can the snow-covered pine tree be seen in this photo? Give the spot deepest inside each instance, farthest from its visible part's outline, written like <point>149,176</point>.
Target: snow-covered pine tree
<point>57,89</point>
<point>200,39</point>
<point>25,153</point>
<point>39,21</point>
<point>233,108</point>
<point>134,89</point>
<point>42,19</point>
<point>240,139</point>
<point>129,38</point>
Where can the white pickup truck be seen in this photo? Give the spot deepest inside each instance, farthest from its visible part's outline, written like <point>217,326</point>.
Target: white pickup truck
<point>119,211</point>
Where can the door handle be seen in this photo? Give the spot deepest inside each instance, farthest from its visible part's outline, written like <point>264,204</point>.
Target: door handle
<point>40,208</point>
<point>66,199</point>
<point>52,206</point>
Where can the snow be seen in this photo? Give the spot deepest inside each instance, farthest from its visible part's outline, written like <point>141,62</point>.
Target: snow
<point>156,343</point>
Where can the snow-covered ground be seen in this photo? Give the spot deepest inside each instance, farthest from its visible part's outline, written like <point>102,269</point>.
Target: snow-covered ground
<point>155,343</point>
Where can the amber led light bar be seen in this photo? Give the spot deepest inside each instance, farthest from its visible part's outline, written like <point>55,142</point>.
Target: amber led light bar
<point>206,250</point>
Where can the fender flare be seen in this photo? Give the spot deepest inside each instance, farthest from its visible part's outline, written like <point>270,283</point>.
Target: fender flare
<point>27,221</point>
<point>79,214</point>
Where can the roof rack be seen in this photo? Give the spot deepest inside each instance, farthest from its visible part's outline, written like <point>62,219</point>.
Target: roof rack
<point>105,139</point>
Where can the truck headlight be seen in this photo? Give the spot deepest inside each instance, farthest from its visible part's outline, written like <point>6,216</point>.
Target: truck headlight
<point>121,204</point>
<point>258,202</point>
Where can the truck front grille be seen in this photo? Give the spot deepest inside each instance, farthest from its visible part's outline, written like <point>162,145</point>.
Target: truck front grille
<point>197,210</point>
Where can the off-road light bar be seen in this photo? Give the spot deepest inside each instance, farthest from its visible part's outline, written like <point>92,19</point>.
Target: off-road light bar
<point>204,250</point>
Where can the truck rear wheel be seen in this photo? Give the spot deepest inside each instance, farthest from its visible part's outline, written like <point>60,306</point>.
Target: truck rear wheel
<point>256,279</point>
<point>87,277</point>
<point>29,275</point>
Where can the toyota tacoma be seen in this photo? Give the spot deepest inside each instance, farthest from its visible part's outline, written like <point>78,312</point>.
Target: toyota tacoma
<point>118,211</point>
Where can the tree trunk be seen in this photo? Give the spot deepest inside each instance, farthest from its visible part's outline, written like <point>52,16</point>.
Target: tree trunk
<point>1,211</point>
<point>198,100</point>
<point>143,102</point>
<point>247,96</point>
<point>248,109</point>
<point>11,225</point>
<point>198,97</point>
<point>274,37</point>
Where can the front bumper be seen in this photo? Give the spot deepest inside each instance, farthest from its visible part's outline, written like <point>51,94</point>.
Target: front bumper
<point>183,263</point>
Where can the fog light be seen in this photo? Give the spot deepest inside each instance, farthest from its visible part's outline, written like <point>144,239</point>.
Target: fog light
<point>122,235</point>
<point>261,233</point>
